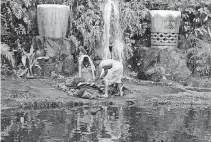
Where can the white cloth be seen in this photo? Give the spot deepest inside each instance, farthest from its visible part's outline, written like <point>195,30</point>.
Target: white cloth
<point>115,74</point>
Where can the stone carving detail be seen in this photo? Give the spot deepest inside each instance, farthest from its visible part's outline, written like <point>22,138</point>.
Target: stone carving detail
<point>164,38</point>
<point>165,28</point>
<point>169,22</point>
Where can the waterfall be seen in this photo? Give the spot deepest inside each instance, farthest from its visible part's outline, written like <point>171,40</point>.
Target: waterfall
<point>116,35</point>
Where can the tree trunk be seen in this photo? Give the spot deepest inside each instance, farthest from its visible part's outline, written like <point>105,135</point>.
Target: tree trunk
<point>52,20</point>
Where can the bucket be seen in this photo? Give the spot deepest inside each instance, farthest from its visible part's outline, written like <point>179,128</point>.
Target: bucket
<point>164,28</point>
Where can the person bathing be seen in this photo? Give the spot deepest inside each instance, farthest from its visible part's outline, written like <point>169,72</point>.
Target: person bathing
<point>111,71</point>
<point>85,60</point>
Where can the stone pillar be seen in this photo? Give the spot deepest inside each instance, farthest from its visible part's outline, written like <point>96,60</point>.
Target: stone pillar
<point>164,28</point>
<point>52,20</point>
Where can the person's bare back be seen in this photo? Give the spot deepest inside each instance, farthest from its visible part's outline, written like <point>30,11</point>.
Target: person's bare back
<point>112,72</point>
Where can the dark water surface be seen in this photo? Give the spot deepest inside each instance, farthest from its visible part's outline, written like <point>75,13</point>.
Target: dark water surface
<point>107,124</point>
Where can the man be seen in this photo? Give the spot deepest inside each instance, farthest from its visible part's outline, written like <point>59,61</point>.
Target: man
<point>112,72</point>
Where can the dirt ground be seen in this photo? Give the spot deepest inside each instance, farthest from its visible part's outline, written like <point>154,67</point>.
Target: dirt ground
<point>40,93</point>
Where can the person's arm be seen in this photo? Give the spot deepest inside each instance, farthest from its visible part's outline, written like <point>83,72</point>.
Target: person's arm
<point>79,65</point>
<point>92,67</point>
<point>104,73</point>
<point>80,61</point>
<point>98,72</point>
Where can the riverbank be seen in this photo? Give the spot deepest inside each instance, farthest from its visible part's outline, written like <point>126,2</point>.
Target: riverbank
<point>42,93</point>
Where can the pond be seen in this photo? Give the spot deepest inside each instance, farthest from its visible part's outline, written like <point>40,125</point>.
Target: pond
<point>107,124</point>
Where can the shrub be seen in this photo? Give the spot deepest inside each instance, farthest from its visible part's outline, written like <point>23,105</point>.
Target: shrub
<point>19,18</point>
<point>7,59</point>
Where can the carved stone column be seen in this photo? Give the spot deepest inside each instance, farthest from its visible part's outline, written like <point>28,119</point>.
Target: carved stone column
<point>164,28</point>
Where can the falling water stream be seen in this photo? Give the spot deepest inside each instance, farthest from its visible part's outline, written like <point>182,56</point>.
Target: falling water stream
<point>112,33</point>
<point>108,123</point>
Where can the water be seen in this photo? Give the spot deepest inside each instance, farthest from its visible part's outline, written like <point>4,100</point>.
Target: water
<point>107,124</point>
<point>112,32</point>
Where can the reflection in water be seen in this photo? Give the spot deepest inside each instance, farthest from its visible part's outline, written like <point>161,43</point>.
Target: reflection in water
<point>107,124</point>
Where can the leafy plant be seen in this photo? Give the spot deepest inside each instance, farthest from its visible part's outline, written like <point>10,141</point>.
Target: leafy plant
<point>7,60</point>
<point>6,54</point>
<point>199,58</point>
<point>29,61</point>
<point>19,18</point>
<point>196,21</point>
<point>85,23</point>
<point>134,21</point>
<point>195,27</point>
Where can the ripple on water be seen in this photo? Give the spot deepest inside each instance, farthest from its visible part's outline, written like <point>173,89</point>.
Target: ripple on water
<point>107,123</point>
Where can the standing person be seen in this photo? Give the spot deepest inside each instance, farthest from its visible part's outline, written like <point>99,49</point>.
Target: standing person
<point>111,71</point>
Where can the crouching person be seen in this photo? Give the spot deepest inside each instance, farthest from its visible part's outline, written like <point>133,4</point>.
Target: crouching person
<point>111,71</point>
<point>85,60</point>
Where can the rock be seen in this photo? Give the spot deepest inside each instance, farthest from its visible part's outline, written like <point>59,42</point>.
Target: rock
<point>8,103</point>
<point>88,95</point>
<point>70,93</point>
<point>62,86</point>
<point>136,63</point>
<point>61,77</point>
<point>54,75</point>
<point>169,63</point>
<point>82,84</point>
<point>94,92</point>
<point>69,82</point>
<point>80,92</point>
<point>175,64</point>
<point>76,81</point>
<point>181,74</point>
<point>154,73</point>
<point>69,67</point>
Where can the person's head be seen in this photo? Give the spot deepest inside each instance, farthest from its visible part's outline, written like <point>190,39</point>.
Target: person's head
<point>86,62</point>
<point>97,59</point>
<point>110,48</point>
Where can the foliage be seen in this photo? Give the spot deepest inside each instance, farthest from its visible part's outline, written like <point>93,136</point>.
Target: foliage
<point>7,60</point>
<point>6,54</point>
<point>19,19</point>
<point>29,61</point>
<point>196,20</point>
<point>199,58</point>
<point>135,21</point>
<point>194,33</point>
<point>195,30</point>
<point>85,23</point>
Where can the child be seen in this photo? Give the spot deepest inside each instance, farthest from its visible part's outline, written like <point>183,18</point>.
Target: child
<point>112,72</point>
<point>85,60</point>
